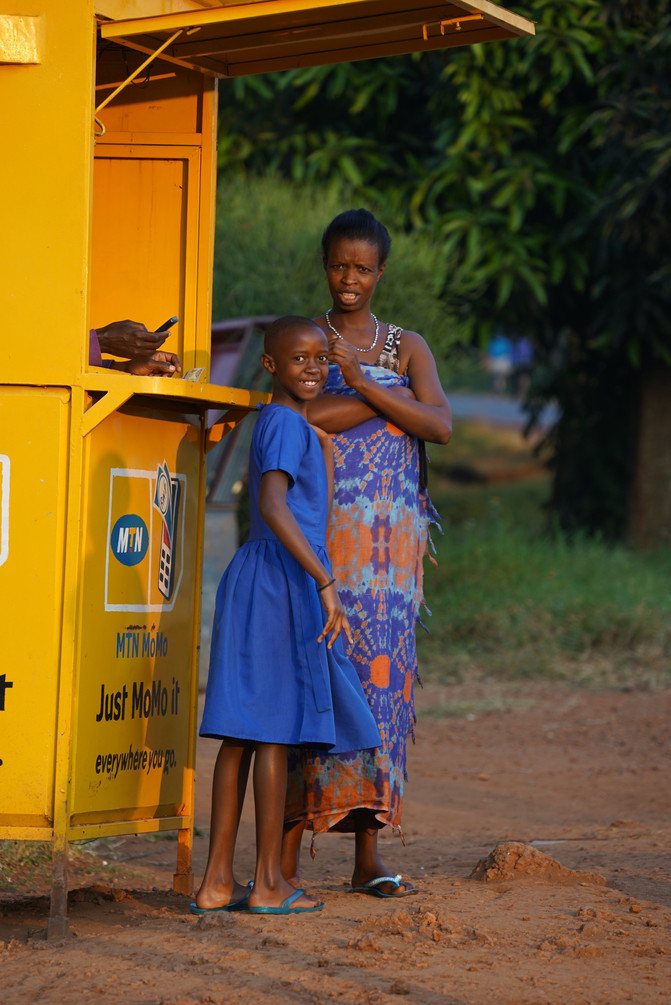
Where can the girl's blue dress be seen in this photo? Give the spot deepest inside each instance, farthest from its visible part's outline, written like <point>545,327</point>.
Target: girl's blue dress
<point>270,680</point>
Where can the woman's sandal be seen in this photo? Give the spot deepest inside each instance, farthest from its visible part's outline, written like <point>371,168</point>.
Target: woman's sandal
<point>372,887</point>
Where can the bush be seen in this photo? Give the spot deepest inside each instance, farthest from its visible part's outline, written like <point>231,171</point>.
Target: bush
<point>267,259</point>
<point>511,598</point>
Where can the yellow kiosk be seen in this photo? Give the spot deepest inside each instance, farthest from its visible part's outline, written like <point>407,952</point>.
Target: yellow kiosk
<point>108,176</point>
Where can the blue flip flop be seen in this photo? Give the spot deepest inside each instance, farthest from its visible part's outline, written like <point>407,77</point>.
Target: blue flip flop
<point>371,887</point>
<point>285,907</point>
<point>234,905</point>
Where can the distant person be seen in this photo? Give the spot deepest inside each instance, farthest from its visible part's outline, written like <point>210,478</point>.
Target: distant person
<point>500,361</point>
<point>382,397</point>
<point>138,346</point>
<point>274,680</point>
<point>522,362</point>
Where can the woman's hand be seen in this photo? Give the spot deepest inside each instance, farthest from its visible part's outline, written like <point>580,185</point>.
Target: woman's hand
<point>161,364</point>
<point>336,620</point>
<point>425,411</point>
<point>129,339</point>
<point>344,354</point>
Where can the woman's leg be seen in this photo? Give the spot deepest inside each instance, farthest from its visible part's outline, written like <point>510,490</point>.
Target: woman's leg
<point>291,851</point>
<point>270,787</point>
<point>229,783</point>
<point>367,862</point>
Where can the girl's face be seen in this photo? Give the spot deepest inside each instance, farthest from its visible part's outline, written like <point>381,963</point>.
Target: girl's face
<point>353,271</point>
<point>299,365</point>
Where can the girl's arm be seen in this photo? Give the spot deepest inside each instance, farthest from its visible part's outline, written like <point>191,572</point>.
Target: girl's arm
<point>429,415</point>
<point>275,512</point>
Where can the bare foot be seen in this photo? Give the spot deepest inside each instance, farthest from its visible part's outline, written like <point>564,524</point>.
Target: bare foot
<point>275,897</point>
<point>291,852</point>
<point>295,881</point>
<point>368,866</point>
<point>220,896</point>
<point>364,873</point>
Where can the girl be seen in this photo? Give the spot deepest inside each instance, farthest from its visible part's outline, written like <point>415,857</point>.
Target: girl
<point>273,679</point>
<point>382,397</point>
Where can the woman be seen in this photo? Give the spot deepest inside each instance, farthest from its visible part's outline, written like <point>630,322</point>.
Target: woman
<point>381,398</point>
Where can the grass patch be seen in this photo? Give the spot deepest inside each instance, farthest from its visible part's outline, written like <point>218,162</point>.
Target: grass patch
<point>23,863</point>
<point>473,708</point>
<point>511,599</point>
<point>26,865</point>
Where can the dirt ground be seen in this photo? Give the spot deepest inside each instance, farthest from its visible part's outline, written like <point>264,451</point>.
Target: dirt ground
<point>575,909</point>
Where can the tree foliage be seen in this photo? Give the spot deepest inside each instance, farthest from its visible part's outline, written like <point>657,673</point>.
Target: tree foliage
<point>542,167</point>
<point>268,260</point>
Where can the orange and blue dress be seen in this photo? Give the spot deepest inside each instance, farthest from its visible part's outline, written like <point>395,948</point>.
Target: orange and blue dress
<point>378,536</point>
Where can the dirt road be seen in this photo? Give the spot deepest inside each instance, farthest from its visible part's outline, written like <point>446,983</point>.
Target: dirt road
<point>576,910</point>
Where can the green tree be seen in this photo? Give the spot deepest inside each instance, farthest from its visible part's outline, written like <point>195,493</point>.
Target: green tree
<point>542,166</point>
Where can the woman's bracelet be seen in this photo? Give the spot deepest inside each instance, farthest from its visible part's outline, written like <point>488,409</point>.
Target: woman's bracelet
<point>330,583</point>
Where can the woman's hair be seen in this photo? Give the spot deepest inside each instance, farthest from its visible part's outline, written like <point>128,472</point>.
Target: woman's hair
<point>358,225</point>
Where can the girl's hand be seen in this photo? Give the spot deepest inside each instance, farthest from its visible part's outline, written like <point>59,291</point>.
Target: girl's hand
<point>336,620</point>
<point>324,438</point>
<point>345,355</point>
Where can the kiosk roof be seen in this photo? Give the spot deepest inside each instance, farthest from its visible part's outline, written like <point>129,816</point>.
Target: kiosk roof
<point>233,39</point>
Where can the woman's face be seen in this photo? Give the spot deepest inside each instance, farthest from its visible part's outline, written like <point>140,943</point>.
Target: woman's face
<point>353,271</point>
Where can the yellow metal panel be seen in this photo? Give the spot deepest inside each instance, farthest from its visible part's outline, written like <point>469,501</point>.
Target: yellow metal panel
<point>145,825</point>
<point>278,34</point>
<point>206,216</point>
<point>165,100</point>
<point>45,172</point>
<point>145,225</point>
<point>20,833</point>
<point>33,478</point>
<point>163,390</point>
<point>134,714</point>
<point>21,38</point>
<point>146,122</point>
<point>147,8</point>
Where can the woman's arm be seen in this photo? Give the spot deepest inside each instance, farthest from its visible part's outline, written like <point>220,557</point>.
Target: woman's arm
<point>428,416</point>
<point>334,413</point>
<point>276,514</point>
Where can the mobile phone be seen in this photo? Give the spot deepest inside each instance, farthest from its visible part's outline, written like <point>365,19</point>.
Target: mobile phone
<point>166,572</point>
<point>167,324</point>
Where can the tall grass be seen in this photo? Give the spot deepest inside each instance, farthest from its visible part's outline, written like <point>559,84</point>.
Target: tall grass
<point>511,599</point>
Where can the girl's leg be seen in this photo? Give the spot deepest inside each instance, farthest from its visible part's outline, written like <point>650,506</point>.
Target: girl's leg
<point>367,862</point>
<point>291,851</point>
<point>228,793</point>
<point>270,786</point>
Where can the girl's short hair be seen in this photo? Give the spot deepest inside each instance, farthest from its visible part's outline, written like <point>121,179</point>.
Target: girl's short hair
<point>358,225</point>
<point>283,326</point>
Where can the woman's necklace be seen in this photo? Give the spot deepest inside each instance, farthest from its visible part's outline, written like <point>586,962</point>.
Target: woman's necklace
<point>336,332</point>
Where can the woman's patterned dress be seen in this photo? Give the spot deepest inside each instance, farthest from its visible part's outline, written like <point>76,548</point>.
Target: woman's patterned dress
<point>378,535</point>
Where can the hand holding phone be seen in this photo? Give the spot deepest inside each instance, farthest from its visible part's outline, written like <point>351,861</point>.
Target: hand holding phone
<point>167,324</point>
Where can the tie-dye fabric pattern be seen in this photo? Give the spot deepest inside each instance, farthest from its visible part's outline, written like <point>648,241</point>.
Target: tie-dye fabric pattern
<point>377,540</point>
